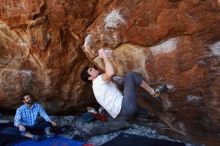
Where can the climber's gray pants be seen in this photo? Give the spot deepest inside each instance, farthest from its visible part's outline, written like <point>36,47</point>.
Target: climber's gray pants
<point>129,102</point>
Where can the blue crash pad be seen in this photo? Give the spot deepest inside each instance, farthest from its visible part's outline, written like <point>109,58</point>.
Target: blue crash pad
<point>56,141</point>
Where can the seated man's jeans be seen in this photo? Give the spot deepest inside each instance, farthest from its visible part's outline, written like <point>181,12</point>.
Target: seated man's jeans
<point>38,128</point>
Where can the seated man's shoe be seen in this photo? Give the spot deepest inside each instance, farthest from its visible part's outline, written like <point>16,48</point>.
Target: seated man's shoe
<point>36,137</point>
<point>48,132</point>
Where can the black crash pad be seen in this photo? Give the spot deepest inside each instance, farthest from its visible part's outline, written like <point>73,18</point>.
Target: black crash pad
<point>135,140</point>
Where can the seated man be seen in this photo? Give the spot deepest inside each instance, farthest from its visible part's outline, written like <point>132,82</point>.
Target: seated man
<point>26,119</point>
<point>107,94</point>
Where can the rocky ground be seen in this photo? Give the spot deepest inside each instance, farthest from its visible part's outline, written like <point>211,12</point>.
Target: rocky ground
<point>98,132</point>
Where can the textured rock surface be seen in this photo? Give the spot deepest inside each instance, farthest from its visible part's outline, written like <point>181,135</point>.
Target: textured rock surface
<point>40,52</point>
<point>175,42</point>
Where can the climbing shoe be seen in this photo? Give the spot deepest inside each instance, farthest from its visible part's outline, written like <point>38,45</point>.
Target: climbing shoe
<point>161,89</point>
<point>36,137</point>
<point>158,90</point>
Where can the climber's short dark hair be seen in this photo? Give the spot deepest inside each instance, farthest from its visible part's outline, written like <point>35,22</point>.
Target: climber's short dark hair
<point>85,75</point>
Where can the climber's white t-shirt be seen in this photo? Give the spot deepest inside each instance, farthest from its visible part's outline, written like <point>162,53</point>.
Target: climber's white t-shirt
<point>107,95</point>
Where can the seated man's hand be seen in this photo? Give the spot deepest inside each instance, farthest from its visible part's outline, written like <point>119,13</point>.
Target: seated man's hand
<point>21,128</point>
<point>53,123</point>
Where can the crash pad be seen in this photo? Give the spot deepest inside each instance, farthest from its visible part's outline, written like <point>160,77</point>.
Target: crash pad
<point>136,140</point>
<point>56,141</point>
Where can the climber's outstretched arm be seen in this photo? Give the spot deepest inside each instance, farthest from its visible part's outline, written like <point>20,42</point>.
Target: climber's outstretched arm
<point>109,69</point>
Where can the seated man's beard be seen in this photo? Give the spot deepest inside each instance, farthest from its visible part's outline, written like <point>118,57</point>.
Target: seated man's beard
<point>28,102</point>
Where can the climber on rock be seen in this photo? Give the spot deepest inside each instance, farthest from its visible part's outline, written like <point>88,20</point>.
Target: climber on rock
<point>107,94</point>
<point>26,119</point>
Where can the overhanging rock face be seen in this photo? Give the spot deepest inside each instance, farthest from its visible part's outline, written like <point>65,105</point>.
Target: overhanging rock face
<point>40,52</point>
<point>175,42</point>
